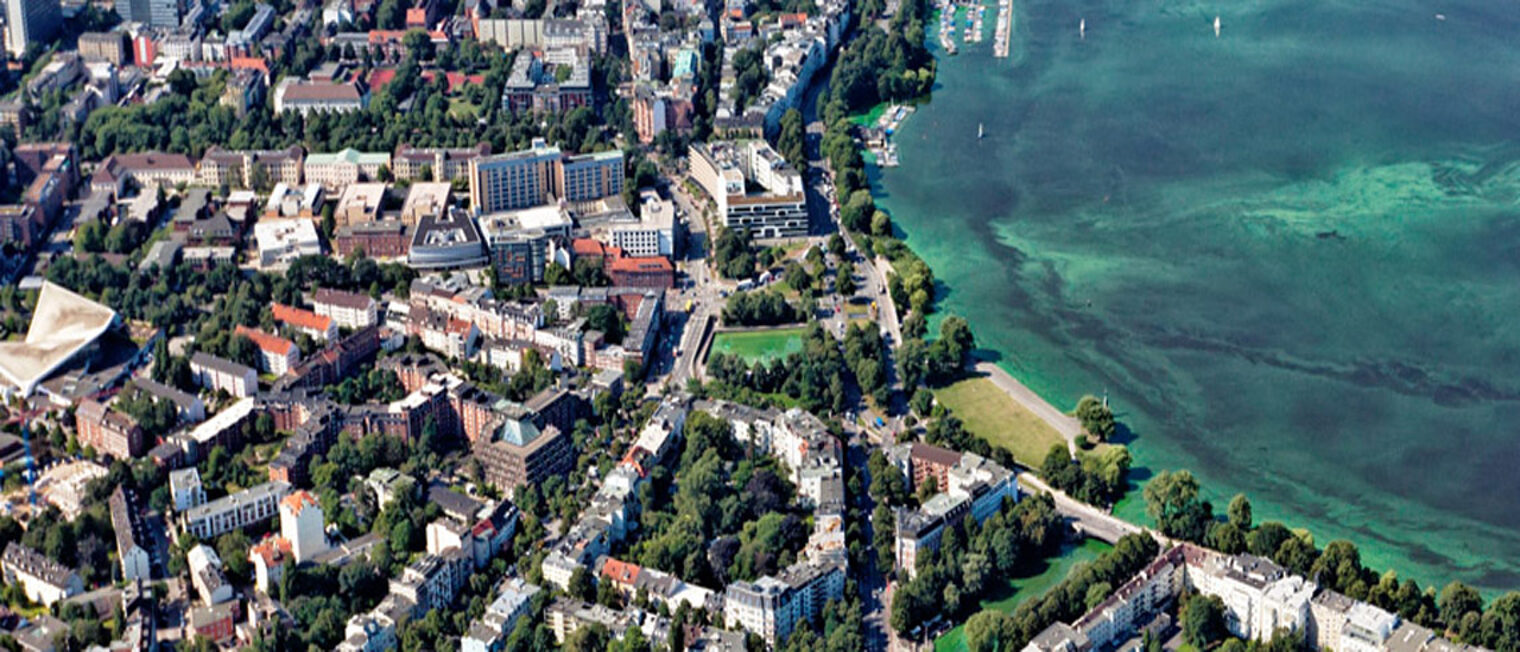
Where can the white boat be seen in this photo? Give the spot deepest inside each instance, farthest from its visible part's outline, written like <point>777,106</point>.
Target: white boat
<point>1216,27</point>
<point>980,131</point>
<point>1082,29</point>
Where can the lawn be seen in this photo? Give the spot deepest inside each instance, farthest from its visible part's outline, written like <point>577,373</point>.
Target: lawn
<point>1046,575</point>
<point>764,345</point>
<point>462,109</point>
<point>869,118</point>
<point>991,414</point>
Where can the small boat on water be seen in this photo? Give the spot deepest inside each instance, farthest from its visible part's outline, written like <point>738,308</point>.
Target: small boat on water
<point>980,132</point>
<point>1082,29</point>
<point>1216,27</point>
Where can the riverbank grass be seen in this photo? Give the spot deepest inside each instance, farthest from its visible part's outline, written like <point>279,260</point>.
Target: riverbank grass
<point>1030,584</point>
<point>988,412</point>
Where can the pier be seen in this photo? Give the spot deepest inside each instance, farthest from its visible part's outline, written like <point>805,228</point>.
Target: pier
<point>1004,33</point>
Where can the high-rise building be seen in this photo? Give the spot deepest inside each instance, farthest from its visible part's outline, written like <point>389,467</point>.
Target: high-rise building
<point>30,21</point>
<point>153,13</point>
<point>533,176</point>
<point>301,524</point>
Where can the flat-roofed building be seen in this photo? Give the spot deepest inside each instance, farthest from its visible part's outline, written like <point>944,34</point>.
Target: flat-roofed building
<point>383,239</point>
<point>448,241</point>
<point>234,511</point>
<point>727,170</point>
<point>547,82</point>
<point>531,177</point>
<point>103,46</point>
<point>281,241</point>
<point>654,234</point>
<point>425,199</point>
<point>359,204</point>
<point>186,489</point>
<point>206,575</point>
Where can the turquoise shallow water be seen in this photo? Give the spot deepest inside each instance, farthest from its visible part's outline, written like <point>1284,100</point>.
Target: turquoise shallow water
<point>1290,254</point>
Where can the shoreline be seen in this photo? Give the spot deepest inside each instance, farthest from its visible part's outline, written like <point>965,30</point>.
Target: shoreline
<point>1386,542</point>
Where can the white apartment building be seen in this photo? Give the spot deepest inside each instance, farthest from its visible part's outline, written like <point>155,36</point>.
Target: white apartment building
<point>342,168</point>
<point>654,235</point>
<point>301,523</point>
<point>215,373</point>
<point>206,574</point>
<point>772,607</point>
<point>185,487</point>
<point>284,240</point>
<point>723,168</point>
<point>489,632</point>
<point>43,580</point>
<point>347,309</point>
<point>234,511</point>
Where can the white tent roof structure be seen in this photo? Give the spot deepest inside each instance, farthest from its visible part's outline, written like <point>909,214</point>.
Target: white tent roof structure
<point>63,324</point>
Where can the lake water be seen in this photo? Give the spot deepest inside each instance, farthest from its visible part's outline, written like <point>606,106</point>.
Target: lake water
<point>1289,254</point>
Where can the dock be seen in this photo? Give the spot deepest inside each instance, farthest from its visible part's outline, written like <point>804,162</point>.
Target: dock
<point>1004,32</point>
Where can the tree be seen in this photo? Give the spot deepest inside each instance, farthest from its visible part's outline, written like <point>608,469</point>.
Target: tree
<point>580,585</point>
<point>1096,417</point>
<point>844,279</point>
<point>990,630</point>
<point>791,140</point>
<point>607,319</point>
<point>1171,499</point>
<point>1203,621</point>
<point>1096,594</point>
<point>1240,512</point>
<point>1456,601</point>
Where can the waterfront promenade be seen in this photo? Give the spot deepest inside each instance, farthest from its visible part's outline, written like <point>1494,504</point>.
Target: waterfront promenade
<point>1063,423</point>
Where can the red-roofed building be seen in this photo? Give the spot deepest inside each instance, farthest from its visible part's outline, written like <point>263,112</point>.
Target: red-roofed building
<point>379,77</point>
<point>305,321</point>
<point>277,354</point>
<point>251,63</point>
<point>621,574</point>
<point>268,558</point>
<point>582,247</point>
<point>642,272</point>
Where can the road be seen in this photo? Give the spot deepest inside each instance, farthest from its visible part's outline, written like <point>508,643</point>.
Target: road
<point>1085,518</point>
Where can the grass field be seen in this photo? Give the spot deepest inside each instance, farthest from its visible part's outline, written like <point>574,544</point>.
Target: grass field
<point>759,345</point>
<point>1031,585</point>
<point>870,117</point>
<point>988,412</point>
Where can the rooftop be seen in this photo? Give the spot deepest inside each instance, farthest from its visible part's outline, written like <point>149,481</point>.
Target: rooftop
<point>63,324</point>
<point>300,318</point>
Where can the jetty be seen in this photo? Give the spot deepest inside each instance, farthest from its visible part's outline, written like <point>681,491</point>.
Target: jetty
<point>947,11</point>
<point>1004,31</point>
